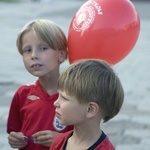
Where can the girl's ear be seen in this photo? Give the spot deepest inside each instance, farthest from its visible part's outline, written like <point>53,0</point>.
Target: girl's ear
<point>92,109</point>
<point>62,56</point>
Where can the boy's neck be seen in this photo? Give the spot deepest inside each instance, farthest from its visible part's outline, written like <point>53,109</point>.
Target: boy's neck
<point>83,138</point>
<point>49,85</point>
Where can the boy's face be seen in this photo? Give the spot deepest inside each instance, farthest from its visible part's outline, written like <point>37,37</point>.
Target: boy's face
<point>69,111</point>
<point>39,59</point>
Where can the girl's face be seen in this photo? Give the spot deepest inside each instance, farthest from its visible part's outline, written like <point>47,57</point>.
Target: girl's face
<point>69,111</point>
<point>40,59</point>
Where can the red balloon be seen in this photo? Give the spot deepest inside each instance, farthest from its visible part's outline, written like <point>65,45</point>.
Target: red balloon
<point>103,29</point>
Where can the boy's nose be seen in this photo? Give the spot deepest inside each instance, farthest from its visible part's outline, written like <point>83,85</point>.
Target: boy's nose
<point>34,55</point>
<point>56,104</point>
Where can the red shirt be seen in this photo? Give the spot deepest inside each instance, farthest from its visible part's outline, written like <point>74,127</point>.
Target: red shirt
<point>60,142</point>
<point>32,110</point>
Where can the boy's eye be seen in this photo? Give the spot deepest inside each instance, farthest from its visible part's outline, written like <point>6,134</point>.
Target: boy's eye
<point>27,50</point>
<point>63,98</point>
<point>43,48</point>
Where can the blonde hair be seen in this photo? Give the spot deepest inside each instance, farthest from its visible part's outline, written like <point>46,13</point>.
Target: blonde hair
<point>47,31</point>
<point>94,80</point>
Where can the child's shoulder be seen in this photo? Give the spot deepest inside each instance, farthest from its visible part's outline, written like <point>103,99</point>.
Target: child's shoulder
<point>63,136</point>
<point>60,140</point>
<point>27,86</point>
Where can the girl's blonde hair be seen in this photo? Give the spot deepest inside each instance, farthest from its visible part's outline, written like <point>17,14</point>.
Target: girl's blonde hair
<point>47,31</point>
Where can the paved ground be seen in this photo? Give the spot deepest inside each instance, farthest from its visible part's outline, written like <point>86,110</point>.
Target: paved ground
<point>131,128</point>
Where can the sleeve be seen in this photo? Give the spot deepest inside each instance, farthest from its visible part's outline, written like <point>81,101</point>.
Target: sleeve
<point>14,120</point>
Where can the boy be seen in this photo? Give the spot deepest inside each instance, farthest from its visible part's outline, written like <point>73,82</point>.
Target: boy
<point>89,92</point>
<point>32,124</point>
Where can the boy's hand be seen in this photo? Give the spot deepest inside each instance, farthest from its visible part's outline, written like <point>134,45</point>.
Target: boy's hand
<point>44,138</point>
<point>17,140</point>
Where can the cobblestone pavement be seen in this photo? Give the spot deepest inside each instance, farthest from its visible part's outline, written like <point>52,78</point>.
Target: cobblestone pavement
<point>130,129</point>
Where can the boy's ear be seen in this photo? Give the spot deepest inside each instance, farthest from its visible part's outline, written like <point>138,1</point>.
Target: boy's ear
<point>92,109</point>
<point>62,56</point>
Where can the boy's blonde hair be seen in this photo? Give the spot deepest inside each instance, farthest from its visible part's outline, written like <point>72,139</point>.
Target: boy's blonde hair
<point>47,31</point>
<point>93,80</point>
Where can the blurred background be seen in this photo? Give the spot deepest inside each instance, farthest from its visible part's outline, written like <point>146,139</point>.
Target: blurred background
<point>130,129</point>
